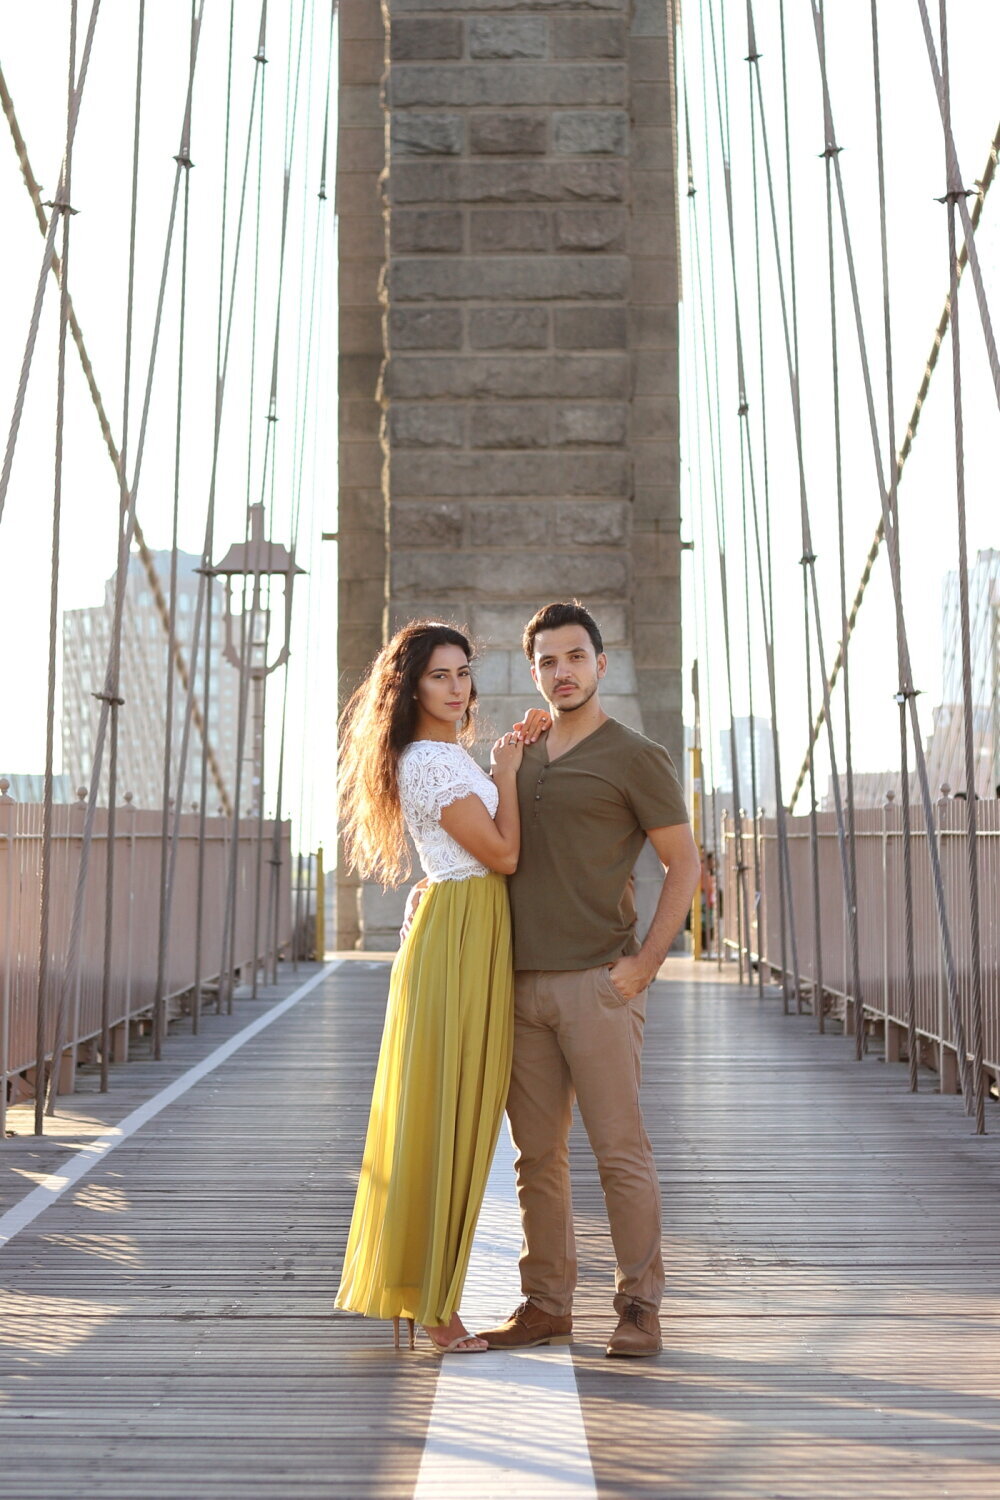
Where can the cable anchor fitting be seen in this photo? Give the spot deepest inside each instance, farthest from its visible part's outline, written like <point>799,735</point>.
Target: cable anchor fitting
<point>61,205</point>
<point>956,193</point>
<point>831,150</point>
<point>905,694</point>
<point>108,698</point>
<point>807,559</point>
<point>183,159</point>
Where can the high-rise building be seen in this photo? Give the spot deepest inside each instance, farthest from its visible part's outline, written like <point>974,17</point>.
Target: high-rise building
<point>946,745</point>
<point>143,716</point>
<point>759,766</point>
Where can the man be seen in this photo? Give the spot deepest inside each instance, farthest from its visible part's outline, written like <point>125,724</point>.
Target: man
<point>590,792</point>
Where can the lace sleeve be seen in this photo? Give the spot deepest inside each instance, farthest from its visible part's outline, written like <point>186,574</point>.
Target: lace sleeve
<point>430,782</point>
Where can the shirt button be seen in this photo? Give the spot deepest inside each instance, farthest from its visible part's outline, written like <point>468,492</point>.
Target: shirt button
<point>538,796</point>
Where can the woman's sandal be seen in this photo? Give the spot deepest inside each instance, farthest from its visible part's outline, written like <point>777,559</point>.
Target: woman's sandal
<point>465,1343</point>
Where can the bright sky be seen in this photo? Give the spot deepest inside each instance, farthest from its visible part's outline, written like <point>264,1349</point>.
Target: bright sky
<point>917,232</point>
<point>34,49</point>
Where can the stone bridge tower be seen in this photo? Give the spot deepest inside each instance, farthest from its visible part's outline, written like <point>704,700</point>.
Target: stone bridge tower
<point>506,195</point>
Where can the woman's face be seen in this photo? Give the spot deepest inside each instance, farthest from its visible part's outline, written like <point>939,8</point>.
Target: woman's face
<point>444,690</point>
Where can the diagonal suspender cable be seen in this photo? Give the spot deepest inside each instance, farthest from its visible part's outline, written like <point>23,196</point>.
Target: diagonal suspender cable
<point>145,556</point>
<point>43,275</point>
<point>60,210</point>
<point>984,185</point>
<point>954,196</point>
<point>958,1027</point>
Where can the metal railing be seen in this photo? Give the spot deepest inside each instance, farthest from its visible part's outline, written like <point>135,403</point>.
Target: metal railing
<point>135,925</point>
<point>879,848</point>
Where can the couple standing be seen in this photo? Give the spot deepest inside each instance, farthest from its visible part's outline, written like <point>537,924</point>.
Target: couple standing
<point>548,840</point>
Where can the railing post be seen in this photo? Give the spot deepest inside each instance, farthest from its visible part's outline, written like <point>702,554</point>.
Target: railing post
<point>320,907</point>
<point>7,806</point>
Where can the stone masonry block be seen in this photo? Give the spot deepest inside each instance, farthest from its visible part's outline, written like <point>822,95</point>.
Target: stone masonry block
<point>425,37</point>
<point>588,36</point>
<point>658,555</point>
<point>590,132</point>
<point>654,420</point>
<point>361,150</point>
<point>412,424</point>
<point>655,372</point>
<point>525,425</point>
<point>497,230</point>
<point>517,278</point>
<point>653,327</point>
<point>504,84</point>
<point>359,107</point>
<point>428,230</point>
<point>655,463</point>
<point>508,135</point>
<point>590,229</point>
<point>426,135</point>
<point>360,465</point>
<point>621,672</point>
<point>589,425</point>
<point>649,18</point>
<point>360,19</point>
<point>652,150</point>
<point>491,670</point>
<point>503,625</point>
<point>654,281</point>
<point>649,59</point>
<point>513,474</point>
<point>508,36</point>
<point>362,61</point>
<point>360,330</point>
<point>591,327</point>
<point>509,575</point>
<point>362,554</point>
<point>514,524</point>
<point>591,523</point>
<point>511,377</point>
<point>425,328</point>
<point>520,182</point>
<point>509,327</point>
<point>358,419</point>
<point>427,523</point>
<point>406,6</point>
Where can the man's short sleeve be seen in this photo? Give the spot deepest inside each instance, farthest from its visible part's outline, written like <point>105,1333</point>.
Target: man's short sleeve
<point>653,789</point>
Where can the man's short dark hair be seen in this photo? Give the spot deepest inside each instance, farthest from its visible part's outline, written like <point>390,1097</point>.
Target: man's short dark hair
<point>552,616</point>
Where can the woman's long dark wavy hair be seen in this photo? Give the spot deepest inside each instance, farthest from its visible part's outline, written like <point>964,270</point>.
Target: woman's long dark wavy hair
<point>375,728</point>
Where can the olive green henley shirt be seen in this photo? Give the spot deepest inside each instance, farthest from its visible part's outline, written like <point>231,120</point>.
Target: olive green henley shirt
<point>584,818</point>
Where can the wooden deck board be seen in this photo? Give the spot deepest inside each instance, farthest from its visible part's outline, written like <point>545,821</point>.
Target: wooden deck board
<point>833,1275</point>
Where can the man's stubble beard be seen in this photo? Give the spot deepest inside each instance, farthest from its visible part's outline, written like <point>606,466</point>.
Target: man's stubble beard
<point>558,708</point>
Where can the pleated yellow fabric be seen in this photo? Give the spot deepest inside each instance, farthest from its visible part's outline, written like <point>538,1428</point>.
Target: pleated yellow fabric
<point>439,1095</point>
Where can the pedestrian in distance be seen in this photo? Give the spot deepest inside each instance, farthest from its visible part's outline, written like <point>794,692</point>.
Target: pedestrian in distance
<point>444,1062</point>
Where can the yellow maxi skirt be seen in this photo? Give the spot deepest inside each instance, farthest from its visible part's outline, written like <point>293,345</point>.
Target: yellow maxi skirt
<point>440,1089</point>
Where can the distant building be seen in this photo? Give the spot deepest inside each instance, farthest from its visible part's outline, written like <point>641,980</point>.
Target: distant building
<point>946,744</point>
<point>763,746</point>
<point>31,787</point>
<point>142,718</point>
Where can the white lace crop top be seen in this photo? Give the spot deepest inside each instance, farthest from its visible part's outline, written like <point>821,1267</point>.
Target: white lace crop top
<point>432,774</point>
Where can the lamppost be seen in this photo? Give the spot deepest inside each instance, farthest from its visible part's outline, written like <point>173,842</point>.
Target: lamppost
<point>257,558</point>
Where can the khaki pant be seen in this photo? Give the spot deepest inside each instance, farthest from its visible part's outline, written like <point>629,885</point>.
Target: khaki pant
<point>574,1034</point>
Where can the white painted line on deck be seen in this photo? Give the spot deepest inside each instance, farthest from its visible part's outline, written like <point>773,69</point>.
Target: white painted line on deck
<point>504,1426</point>
<point>53,1186</point>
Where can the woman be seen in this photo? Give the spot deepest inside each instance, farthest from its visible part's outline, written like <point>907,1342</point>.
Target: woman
<point>444,1063</point>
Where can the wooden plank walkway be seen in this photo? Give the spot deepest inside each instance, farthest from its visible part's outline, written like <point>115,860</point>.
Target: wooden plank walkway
<point>831,1323</point>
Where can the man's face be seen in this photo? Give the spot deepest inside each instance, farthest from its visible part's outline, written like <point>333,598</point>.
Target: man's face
<point>566,669</point>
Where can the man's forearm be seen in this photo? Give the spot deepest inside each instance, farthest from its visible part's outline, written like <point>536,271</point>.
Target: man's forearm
<point>671,910</point>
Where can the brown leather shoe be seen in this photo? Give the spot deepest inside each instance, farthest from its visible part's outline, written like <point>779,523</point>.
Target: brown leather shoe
<point>527,1326</point>
<point>637,1334</point>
